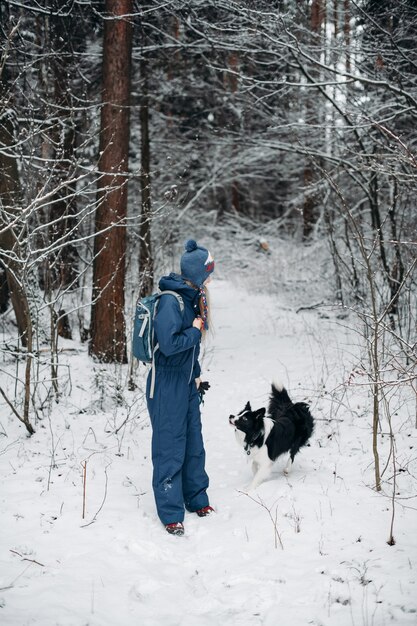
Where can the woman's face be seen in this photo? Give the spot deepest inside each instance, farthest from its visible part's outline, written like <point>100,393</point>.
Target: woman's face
<point>207,281</point>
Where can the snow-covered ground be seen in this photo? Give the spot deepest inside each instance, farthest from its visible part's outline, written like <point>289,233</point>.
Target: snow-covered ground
<point>305,549</point>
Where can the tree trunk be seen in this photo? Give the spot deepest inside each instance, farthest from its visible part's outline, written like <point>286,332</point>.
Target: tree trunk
<point>318,12</point>
<point>108,337</point>
<point>309,205</point>
<point>346,32</point>
<point>397,272</point>
<point>4,289</point>
<point>146,268</point>
<point>56,37</point>
<point>377,226</point>
<point>317,16</point>
<point>233,83</point>
<point>64,207</point>
<point>10,201</point>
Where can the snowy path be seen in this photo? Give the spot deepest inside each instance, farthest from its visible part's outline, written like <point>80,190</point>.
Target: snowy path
<point>123,570</point>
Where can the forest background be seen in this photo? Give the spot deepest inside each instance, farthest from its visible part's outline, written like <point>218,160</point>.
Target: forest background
<point>127,126</point>
<point>281,134</point>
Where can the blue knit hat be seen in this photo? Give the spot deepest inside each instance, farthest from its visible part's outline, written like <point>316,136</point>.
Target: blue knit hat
<point>196,263</point>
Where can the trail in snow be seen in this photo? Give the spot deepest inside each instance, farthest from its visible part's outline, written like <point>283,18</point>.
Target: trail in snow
<point>230,568</point>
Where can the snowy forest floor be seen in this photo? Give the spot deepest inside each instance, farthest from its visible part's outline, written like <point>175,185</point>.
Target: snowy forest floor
<point>310,548</point>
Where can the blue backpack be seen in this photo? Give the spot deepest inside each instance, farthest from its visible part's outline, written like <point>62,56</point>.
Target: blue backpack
<point>143,345</point>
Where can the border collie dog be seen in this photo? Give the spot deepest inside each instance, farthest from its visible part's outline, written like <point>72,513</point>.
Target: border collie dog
<point>286,428</point>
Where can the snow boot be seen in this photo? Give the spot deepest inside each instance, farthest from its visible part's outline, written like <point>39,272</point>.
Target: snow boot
<point>207,510</point>
<point>176,528</point>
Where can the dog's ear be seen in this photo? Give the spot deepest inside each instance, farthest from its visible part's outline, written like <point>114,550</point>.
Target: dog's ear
<point>247,407</point>
<point>260,413</point>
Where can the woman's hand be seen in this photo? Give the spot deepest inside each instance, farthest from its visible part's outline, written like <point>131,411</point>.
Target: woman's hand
<point>197,382</point>
<point>198,323</point>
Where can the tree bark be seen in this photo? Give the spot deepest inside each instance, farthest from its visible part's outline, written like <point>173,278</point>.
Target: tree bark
<point>309,205</point>
<point>4,289</point>
<point>10,202</point>
<point>346,31</point>
<point>108,337</point>
<point>317,16</point>
<point>146,268</point>
<point>64,207</point>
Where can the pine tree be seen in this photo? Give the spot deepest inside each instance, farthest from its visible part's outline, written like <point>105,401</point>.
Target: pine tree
<point>108,340</point>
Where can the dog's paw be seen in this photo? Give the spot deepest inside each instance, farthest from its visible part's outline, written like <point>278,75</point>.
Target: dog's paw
<point>248,488</point>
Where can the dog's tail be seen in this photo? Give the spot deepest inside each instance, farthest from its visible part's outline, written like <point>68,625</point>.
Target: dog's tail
<point>280,403</point>
<point>279,397</point>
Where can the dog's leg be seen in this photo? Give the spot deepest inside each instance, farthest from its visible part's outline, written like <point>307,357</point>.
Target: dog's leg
<point>264,471</point>
<point>290,462</point>
<point>287,468</point>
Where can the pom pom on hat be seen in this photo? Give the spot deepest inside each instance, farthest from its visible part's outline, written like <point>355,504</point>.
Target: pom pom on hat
<point>190,245</point>
<point>196,263</point>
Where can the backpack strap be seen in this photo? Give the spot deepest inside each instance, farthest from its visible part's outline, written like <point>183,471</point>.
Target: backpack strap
<point>181,305</point>
<point>173,293</point>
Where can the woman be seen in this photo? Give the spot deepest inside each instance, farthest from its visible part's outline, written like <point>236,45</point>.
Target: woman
<point>178,456</point>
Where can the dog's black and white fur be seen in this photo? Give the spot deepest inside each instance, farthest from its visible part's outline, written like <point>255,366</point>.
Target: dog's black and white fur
<point>286,428</point>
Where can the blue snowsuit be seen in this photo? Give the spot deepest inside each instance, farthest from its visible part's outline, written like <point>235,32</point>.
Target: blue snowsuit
<point>178,456</point>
